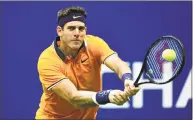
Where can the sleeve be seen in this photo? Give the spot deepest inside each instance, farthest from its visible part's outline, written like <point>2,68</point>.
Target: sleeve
<point>101,50</point>
<point>49,72</point>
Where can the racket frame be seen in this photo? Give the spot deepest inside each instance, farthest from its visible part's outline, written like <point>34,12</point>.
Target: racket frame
<point>143,69</point>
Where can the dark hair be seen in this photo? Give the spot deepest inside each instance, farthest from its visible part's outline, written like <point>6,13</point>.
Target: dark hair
<point>73,9</point>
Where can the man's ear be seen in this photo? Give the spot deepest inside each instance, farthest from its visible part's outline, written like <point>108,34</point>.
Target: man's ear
<point>85,29</point>
<point>59,30</point>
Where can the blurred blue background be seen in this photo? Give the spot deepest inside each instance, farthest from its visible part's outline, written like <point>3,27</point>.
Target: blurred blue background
<point>27,28</point>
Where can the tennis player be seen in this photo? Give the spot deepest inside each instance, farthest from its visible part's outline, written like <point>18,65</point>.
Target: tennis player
<point>70,71</point>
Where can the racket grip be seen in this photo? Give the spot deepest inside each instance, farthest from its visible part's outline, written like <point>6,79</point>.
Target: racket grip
<point>136,84</point>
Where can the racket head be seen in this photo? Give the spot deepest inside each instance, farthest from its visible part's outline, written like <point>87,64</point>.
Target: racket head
<point>159,70</point>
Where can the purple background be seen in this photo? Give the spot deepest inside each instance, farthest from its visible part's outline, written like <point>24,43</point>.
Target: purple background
<point>129,28</point>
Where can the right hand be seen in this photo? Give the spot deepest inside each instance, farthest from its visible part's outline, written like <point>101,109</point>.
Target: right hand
<point>130,89</point>
<point>118,97</point>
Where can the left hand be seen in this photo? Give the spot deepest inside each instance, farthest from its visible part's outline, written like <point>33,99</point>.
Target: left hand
<point>118,97</point>
<point>130,89</point>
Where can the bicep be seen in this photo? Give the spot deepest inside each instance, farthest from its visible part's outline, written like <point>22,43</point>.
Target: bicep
<point>117,65</point>
<point>113,62</point>
<point>50,72</point>
<point>65,89</point>
<point>54,80</point>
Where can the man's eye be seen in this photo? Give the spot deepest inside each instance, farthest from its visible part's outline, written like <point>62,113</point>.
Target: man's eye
<point>81,28</point>
<point>71,28</point>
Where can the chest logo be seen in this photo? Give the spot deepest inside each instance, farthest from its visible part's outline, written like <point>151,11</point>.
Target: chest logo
<point>82,61</point>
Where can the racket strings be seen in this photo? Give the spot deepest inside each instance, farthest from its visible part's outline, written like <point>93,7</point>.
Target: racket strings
<point>155,62</point>
<point>179,57</point>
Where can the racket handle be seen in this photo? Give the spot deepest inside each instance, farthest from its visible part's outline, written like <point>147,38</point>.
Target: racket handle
<point>136,84</point>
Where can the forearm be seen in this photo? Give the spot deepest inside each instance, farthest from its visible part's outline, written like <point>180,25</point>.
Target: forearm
<point>66,90</point>
<point>117,65</point>
<point>83,99</point>
<point>122,67</point>
<point>78,98</point>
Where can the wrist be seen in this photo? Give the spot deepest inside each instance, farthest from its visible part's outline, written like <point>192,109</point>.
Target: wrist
<point>101,97</point>
<point>94,99</point>
<point>126,76</point>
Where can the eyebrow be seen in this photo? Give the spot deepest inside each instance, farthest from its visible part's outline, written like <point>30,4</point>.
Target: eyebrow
<point>76,26</point>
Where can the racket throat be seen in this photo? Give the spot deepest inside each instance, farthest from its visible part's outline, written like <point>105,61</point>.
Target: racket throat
<point>149,77</point>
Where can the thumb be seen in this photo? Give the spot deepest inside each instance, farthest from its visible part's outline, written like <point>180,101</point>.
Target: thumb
<point>129,83</point>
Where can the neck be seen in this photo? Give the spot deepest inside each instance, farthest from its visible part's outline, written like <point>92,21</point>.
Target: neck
<point>67,51</point>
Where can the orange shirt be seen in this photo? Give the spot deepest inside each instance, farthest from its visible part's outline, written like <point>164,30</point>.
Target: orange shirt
<point>84,71</point>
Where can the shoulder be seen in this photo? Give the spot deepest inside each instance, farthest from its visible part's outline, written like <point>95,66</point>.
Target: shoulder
<point>48,52</point>
<point>48,57</point>
<point>92,40</point>
<point>91,37</point>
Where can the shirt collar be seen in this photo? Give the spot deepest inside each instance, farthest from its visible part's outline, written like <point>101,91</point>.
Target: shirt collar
<point>59,52</point>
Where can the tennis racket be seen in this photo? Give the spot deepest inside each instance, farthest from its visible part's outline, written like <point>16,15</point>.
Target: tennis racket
<point>154,65</point>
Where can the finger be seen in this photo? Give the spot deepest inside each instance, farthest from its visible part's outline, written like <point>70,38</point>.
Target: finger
<point>132,86</point>
<point>119,98</point>
<point>127,88</point>
<point>124,96</point>
<point>128,92</point>
<point>116,101</point>
<point>137,88</point>
<point>129,83</point>
<point>134,92</point>
<point>128,99</point>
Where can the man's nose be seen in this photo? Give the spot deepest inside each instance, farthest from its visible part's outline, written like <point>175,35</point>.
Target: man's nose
<point>76,33</point>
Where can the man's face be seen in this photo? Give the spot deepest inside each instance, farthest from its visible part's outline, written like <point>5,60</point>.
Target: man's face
<point>72,34</point>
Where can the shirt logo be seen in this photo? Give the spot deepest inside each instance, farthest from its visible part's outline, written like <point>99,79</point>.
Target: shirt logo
<point>74,17</point>
<point>82,61</point>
